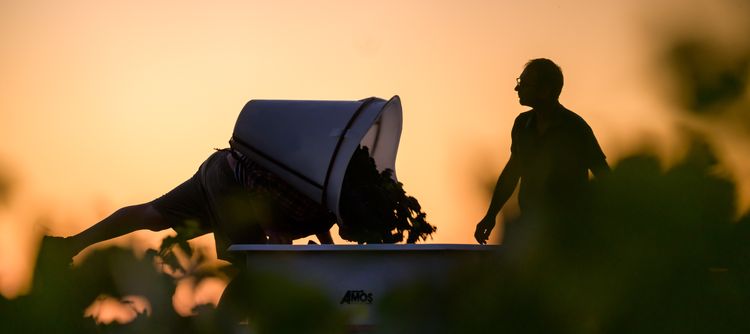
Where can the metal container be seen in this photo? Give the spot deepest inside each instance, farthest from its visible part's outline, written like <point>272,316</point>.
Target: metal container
<point>356,277</point>
<point>309,143</point>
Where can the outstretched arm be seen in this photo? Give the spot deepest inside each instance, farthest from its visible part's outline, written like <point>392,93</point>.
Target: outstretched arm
<point>506,183</point>
<point>121,222</point>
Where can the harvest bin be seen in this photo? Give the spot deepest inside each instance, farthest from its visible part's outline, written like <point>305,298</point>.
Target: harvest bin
<point>308,143</point>
<point>357,277</point>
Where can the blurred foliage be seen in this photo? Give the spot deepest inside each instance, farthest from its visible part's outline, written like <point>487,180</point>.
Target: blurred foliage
<point>275,304</point>
<point>61,293</point>
<point>711,79</point>
<point>707,76</point>
<point>6,185</point>
<point>646,251</point>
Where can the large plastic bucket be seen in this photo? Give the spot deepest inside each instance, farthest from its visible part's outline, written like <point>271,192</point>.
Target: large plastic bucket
<point>309,143</point>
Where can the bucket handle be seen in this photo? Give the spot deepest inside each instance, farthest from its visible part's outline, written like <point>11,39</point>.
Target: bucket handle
<point>365,102</point>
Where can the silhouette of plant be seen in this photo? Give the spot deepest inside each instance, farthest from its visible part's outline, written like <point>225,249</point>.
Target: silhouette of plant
<point>375,208</point>
<point>647,251</point>
<point>61,293</point>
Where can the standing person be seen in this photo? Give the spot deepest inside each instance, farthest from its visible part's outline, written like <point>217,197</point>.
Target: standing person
<point>552,149</point>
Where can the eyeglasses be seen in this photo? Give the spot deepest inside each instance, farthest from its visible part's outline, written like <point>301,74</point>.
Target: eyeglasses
<point>526,83</point>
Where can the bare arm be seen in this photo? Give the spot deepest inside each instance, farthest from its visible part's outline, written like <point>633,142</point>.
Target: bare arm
<point>506,183</point>
<point>121,222</point>
<point>600,168</point>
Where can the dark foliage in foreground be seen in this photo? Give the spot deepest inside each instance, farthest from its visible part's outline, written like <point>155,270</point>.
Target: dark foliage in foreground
<point>61,293</point>
<point>647,251</point>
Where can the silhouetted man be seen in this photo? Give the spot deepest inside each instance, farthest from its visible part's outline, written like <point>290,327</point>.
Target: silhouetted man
<point>552,149</point>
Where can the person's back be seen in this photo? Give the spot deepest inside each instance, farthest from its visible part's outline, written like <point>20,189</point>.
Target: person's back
<point>241,202</point>
<point>554,164</point>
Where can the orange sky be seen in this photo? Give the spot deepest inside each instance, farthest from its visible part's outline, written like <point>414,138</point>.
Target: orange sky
<point>110,103</point>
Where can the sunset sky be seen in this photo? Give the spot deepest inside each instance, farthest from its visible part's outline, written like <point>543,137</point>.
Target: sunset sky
<point>110,103</point>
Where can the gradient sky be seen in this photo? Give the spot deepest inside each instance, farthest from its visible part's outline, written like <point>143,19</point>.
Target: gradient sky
<point>109,103</point>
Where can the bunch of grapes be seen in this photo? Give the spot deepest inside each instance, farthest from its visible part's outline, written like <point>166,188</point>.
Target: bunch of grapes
<point>375,208</point>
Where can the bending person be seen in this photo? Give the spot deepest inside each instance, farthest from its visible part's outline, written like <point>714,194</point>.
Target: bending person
<point>229,195</point>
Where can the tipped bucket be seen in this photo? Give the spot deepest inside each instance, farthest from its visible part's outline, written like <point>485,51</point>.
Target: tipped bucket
<point>309,143</point>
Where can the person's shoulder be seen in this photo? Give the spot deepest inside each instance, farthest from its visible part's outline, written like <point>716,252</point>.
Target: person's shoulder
<point>522,122</point>
<point>574,119</point>
<point>523,117</point>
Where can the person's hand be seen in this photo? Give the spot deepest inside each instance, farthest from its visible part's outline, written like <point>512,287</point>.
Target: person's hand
<point>278,238</point>
<point>484,228</point>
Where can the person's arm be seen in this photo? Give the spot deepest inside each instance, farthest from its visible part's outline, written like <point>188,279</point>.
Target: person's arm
<point>595,158</point>
<point>121,222</point>
<point>506,183</point>
<point>600,168</point>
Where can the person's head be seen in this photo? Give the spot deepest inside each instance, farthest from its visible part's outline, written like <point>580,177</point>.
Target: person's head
<point>540,83</point>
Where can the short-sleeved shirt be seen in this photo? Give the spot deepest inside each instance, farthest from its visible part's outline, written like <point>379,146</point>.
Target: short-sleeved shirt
<point>241,204</point>
<point>554,165</point>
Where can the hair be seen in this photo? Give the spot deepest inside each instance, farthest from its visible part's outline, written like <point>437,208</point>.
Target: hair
<point>549,74</point>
